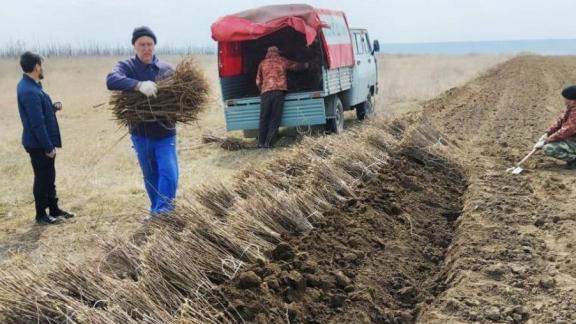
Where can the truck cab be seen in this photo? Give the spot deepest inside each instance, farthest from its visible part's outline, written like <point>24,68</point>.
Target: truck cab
<point>365,76</point>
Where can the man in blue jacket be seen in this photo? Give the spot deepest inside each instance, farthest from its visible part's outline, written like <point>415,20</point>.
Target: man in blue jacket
<point>154,142</point>
<point>40,137</point>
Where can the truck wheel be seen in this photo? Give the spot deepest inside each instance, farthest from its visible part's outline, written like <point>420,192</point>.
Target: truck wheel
<point>336,125</point>
<point>366,109</point>
<point>250,133</point>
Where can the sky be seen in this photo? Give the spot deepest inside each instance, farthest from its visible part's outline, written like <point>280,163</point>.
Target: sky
<point>182,22</point>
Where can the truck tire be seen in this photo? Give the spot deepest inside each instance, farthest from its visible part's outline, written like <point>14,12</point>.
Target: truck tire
<point>366,109</point>
<point>336,125</point>
<point>250,133</point>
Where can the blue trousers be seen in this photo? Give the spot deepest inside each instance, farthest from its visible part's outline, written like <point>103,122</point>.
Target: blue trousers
<point>159,163</point>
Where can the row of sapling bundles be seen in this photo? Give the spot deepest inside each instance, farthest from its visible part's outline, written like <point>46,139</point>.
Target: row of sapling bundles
<point>179,99</point>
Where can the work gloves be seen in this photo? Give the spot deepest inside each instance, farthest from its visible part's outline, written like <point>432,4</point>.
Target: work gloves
<point>148,88</point>
<point>541,142</point>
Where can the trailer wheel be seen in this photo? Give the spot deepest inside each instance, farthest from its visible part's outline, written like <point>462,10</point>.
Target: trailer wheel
<point>336,125</point>
<point>366,109</point>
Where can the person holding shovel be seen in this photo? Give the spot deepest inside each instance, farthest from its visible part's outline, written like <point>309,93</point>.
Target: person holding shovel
<point>560,140</point>
<point>154,141</point>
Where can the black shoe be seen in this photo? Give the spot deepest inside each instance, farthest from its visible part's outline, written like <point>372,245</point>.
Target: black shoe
<point>571,165</point>
<point>46,220</point>
<point>62,213</point>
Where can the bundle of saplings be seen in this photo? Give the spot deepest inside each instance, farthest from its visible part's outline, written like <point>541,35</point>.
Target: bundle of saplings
<point>179,99</point>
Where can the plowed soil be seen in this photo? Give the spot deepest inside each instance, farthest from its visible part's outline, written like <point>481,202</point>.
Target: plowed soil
<point>514,253</point>
<point>372,259</point>
<point>435,239</point>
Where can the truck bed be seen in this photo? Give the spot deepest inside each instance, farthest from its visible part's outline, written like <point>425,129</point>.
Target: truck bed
<point>301,108</point>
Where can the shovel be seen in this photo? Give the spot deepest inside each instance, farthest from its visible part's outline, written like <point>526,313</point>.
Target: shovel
<point>518,168</point>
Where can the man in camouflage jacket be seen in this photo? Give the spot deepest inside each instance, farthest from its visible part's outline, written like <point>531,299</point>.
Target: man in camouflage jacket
<point>272,83</point>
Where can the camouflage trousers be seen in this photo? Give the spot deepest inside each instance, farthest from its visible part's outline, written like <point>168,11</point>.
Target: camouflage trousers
<point>563,150</point>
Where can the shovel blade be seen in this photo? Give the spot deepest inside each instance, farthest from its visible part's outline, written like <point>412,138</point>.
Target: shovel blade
<point>517,170</point>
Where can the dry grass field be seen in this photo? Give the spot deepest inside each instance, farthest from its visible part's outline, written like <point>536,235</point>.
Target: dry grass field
<point>407,219</point>
<point>369,226</point>
<point>98,177</point>
<point>407,80</point>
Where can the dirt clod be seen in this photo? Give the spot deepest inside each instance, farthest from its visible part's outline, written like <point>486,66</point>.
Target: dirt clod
<point>283,251</point>
<point>337,300</point>
<point>493,314</point>
<point>547,282</point>
<point>341,279</point>
<point>497,271</point>
<point>248,280</point>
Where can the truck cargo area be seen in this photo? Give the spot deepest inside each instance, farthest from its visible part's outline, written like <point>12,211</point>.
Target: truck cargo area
<point>292,45</point>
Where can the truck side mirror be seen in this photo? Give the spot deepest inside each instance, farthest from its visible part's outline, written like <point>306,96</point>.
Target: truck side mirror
<point>376,47</point>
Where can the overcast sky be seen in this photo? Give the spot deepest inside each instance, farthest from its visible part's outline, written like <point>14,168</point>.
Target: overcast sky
<point>182,22</point>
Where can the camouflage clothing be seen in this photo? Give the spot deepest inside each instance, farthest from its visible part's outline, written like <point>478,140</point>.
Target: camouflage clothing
<point>563,150</point>
<point>272,72</point>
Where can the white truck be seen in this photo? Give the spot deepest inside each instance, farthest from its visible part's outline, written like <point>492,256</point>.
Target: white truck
<point>343,73</point>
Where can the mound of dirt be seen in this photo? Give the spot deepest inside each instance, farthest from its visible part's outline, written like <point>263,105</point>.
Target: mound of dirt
<point>372,259</point>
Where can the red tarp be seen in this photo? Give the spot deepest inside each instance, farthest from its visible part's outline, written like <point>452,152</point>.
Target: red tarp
<point>255,23</point>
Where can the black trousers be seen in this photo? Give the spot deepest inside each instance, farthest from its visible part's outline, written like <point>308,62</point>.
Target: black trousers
<point>271,107</point>
<point>44,182</point>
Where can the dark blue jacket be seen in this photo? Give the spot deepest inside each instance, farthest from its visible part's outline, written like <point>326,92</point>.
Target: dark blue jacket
<point>126,76</point>
<point>41,130</point>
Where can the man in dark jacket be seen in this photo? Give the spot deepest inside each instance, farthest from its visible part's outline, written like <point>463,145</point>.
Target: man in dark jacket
<point>40,137</point>
<point>154,142</point>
